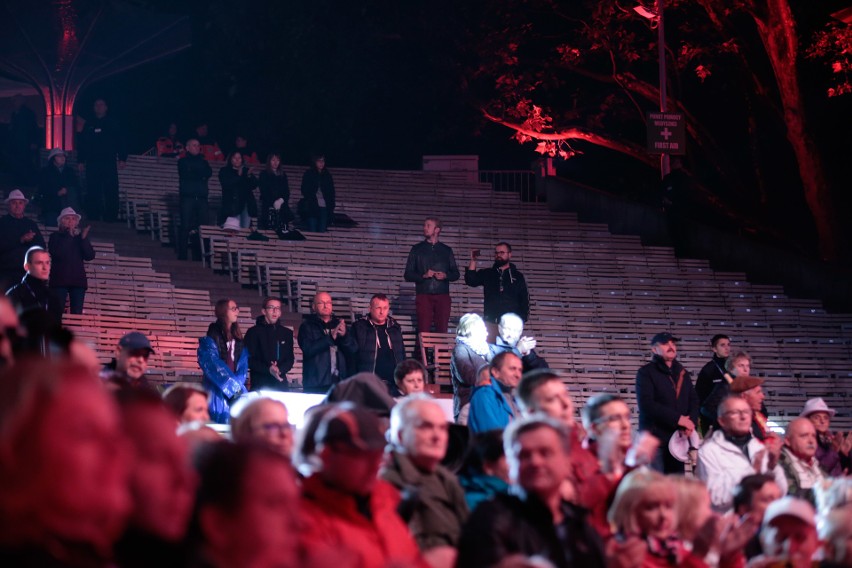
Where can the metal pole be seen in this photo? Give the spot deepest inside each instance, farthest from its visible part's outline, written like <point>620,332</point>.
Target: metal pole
<point>661,45</point>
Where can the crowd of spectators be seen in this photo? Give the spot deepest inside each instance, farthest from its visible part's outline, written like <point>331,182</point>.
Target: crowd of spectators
<point>98,468</point>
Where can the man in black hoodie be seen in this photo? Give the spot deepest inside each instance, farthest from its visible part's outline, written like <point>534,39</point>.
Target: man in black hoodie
<point>505,287</point>
<point>270,347</point>
<point>379,339</point>
<point>325,346</point>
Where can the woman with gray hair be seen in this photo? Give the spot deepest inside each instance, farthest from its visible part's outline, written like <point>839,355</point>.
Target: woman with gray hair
<point>470,353</point>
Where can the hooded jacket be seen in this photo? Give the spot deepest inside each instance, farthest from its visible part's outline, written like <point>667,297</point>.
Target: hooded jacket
<point>366,336</point>
<point>425,256</point>
<point>505,291</point>
<point>316,343</point>
<point>266,344</point>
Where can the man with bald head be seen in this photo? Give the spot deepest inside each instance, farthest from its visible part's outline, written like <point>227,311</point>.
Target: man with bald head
<point>325,346</point>
<point>732,453</point>
<point>798,459</point>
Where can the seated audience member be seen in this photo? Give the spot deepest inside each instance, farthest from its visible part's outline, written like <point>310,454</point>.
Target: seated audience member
<point>835,532</point>
<point>469,355</point>
<point>788,534</point>
<point>379,341</point>
<point>17,235</point>
<point>533,521</point>
<point>33,291</point>
<point>509,330</point>
<point>433,504</point>
<point>732,453</point>
<point>70,249</point>
<point>128,367</point>
<point>241,145</point>
<point>492,406</point>
<point>209,147</point>
<point>504,287</point>
<point>833,450</point>
<point>238,185</point>
<point>366,390</point>
<point>485,472</point>
<point>266,422</point>
<point>275,210</point>
<point>169,146</point>
<point>162,484</point>
<point>247,508</point>
<point>316,208</point>
<point>737,365</point>
<point>409,377</point>
<point>833,493</point>
<point>798,460</point>
<point>325,346</point>
<point>305,459</point>
<point>270,348</point>
<point>64,499</point>
<point>344,504</point>
<point>188,403</point>
<point>644,507</point>
<point>58,187</point>
<point>223,360</point>
<point>751,497</point>
<point>606,419</point>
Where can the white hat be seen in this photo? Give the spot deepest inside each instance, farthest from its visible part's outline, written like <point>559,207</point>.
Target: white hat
<point>232,224</point>
<point>680,443</point>
<point>55,152</point>
<point>790,506</point>
<point>816,405</point>
<point>67,212</point>
<point>16,194</point>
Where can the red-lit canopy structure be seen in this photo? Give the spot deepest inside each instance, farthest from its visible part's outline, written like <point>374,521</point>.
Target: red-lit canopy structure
<point>59,46</point>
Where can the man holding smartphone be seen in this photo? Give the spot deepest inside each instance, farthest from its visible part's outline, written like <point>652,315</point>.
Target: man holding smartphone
<point>504,286</point>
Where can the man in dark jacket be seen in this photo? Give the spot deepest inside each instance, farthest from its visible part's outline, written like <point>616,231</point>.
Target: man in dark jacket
<point>504,286</point>
<point>379,340</point>
<point>325,346</point>
<point>58,187</point>
<point>270,347</point>
<point>33,292</point>
<point>17,235</point>
<point>666,399</point>
<point>101,143</point>
<point>713,372</point>
<point>509,330</point>
<point>130,363</point>
<point>432,266</point>
<point>193,173</point>
<point>535,520</point>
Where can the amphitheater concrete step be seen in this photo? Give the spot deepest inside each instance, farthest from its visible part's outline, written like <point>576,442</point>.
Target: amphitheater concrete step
<point>183,273</point>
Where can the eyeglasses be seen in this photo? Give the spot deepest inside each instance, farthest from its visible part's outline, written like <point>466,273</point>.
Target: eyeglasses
<point>737,413</point>
<point>273,308</point>
<point>613,418</point>
<point>234,309</point>
<point>279,428</point>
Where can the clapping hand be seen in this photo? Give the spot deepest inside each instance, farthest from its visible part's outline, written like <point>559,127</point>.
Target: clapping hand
<point>525,345</point>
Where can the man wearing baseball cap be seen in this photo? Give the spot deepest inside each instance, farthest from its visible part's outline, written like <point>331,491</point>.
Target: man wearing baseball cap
<point>345,505</point>
<point>789,534</point>
<point>666,398</point>
<point>128,367</point>
<point>17,235</point>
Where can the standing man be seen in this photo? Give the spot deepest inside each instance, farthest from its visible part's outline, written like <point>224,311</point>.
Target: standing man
<point>17,235</point>
<point>193,173</point>
<point>101,143</point>
<point>379,340</point>
<point>504,286</point>
<point>713,373</point>
<point>432,266</point>
<point>270,347</point>
<point>32,292</point>
<point>666,399</point>
<point>325,346</point>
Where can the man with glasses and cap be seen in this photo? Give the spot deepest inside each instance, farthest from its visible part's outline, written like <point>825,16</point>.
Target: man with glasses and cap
<point>666,399</point>
<point>128,367</point>
<point>17,235</point>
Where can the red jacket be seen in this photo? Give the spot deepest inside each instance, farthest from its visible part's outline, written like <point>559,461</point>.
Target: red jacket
<point>595,490</point>
<point>331,520</point>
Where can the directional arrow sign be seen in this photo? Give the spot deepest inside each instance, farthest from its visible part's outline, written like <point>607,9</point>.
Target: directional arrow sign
<point>666,133</point>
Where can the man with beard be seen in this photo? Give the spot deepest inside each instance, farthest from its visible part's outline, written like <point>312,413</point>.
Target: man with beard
<point>666,399</point>
<point>509,330</point>
<point>798,460</point>
<point>431,265</point>
<point>128,367</point>
<point>270,347</point>
<point>505,288</point>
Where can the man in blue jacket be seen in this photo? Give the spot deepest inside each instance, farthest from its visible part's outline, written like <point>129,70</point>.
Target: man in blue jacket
<point>666,398</point>
<point>492,406</point>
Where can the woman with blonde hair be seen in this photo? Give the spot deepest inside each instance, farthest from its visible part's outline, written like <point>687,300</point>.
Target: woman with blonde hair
<point>469,355</point>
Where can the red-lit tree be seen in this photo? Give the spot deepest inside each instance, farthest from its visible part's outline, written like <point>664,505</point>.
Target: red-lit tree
<point>586,71</point>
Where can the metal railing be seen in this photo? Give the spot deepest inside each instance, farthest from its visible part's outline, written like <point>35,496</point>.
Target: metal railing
<point>521,182</point>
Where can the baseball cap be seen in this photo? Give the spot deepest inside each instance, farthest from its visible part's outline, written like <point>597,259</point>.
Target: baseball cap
<point>790,506</point>
<point>135,340</point>
<point>663,337</point>
<point>352,426</point>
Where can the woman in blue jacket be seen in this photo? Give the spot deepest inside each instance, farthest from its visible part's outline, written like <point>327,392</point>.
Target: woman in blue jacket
<point>223,360</point>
